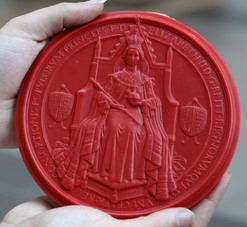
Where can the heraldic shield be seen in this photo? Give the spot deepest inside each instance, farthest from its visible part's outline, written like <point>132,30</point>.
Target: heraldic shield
<point>122,145</point>
<point>60,105</point>
<point>193,119</point>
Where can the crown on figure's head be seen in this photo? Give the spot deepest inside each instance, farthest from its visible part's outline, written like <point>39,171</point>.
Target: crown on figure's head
<point>135,40</point>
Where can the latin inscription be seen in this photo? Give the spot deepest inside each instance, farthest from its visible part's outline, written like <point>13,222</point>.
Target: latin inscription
<point>121,205</point>
<point>218,106</point>
<point>217,99</point>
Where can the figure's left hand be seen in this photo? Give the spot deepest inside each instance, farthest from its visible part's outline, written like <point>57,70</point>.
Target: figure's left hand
<point>134,99</point>
<point>43,212</point>
<point>21,39</point>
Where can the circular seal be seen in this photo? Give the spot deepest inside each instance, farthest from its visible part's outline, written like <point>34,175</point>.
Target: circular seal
<point>131,113</point>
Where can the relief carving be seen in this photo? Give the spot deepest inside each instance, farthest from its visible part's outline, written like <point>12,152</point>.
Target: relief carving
<point>193,120</point>
<point>60,105</point>
<point>121,148</point>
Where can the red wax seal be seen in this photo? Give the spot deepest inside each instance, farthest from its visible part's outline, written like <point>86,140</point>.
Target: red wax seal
<point>131,113</point>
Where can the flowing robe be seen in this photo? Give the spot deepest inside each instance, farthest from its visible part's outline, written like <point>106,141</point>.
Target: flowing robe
<point>121,141</point>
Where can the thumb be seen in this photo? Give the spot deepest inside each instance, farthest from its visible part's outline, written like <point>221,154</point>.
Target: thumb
<point>44,23</point>
<point>177,217</point>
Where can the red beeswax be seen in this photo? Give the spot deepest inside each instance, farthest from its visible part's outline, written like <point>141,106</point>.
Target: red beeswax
<point>131,113</point>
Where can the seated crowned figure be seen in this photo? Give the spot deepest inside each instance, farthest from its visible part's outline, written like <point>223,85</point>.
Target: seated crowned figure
<point>122,140</point>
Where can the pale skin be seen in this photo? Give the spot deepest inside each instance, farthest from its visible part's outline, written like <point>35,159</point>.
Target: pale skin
<point>20,42</point>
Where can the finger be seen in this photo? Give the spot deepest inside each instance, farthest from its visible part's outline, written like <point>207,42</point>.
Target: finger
<point>216,195</point>
<point>205,209</point>
<point>49,201</point>
<point>175,217</point>
<point>73,216</point>
<point>27,210</point>
<point>44,23</point>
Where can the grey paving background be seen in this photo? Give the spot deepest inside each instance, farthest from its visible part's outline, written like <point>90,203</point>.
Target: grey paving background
<point>224,24</point>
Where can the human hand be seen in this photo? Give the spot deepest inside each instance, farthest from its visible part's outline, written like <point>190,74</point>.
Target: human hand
<point>43,212</point>
<point>21,40</point>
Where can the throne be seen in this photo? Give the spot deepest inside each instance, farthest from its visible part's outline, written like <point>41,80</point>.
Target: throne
<point>114,191</point>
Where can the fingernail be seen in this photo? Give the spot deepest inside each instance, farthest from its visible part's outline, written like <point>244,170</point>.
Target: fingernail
<point>185,218</point>
<point>96,1</point>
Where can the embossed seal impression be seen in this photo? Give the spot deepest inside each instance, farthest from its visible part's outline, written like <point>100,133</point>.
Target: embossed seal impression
<point>131,113</point>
